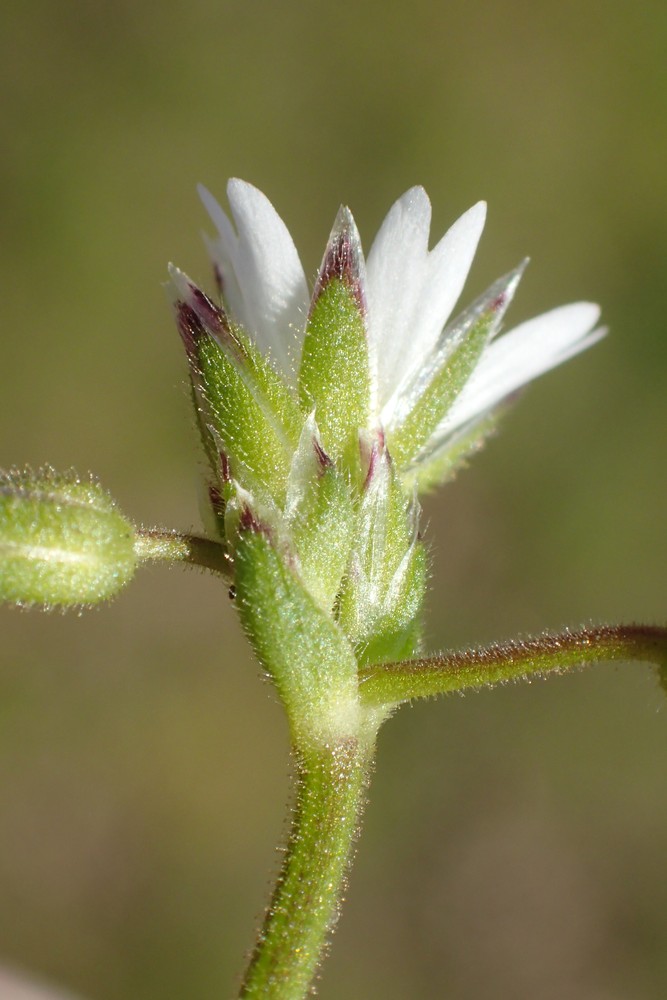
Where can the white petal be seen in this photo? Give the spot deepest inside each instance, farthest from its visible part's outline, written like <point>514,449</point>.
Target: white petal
<point>395,269</point>
<point>488,310</point>
<point>447,269</point>
<point>270,285</point>
<point>414,291</point>
<point>520,356</point>
<point>223,251</point>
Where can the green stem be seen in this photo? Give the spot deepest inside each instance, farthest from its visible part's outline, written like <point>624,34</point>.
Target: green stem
<point>174,546</point>
<point>330,784</point>
<point>394,683</point>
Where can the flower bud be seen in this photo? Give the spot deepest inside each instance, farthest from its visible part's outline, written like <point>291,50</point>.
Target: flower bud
<point>63,541</point>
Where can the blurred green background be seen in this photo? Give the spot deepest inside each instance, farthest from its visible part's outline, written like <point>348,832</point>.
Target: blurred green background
<point>515,841</point>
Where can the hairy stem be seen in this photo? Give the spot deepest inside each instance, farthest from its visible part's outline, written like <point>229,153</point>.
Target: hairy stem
<point>394,683</point>
<point>330,785</point>
<point>174,546</point>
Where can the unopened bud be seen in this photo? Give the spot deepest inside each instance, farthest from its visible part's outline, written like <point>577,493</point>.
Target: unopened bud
<point>63,541</point>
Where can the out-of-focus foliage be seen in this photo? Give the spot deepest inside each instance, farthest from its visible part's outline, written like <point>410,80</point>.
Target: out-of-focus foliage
<point>514,842</point>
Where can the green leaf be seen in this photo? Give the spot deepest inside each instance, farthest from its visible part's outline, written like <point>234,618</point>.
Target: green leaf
<point>334,379</point>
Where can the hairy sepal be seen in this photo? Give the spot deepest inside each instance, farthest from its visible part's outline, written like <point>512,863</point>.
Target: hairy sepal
<point>252,411</point>
<point>381,601</point>
<point>246,413</point>
<point>334,378</point>
<point>319,517</point>
<point>424,403</point>
<point>440,462</point>
<point>302,649</point>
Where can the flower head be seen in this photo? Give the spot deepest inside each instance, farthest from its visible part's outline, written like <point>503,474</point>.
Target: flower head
<point>324,415</point>
<point>430,385</point>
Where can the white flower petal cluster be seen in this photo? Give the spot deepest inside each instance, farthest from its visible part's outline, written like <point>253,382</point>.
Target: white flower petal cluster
<point>412,291</point>
<point>409,293</point>
<point>259,271</point>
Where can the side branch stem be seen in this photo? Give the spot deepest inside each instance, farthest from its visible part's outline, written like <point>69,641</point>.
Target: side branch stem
<point>174,546</point>
<point>330,786</point>
<point>394,683</point>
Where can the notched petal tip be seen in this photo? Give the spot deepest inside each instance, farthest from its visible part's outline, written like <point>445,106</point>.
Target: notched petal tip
<point>214,209</point>
<point>459,245</point>
<point>258,271</point>
<point>343,259</point>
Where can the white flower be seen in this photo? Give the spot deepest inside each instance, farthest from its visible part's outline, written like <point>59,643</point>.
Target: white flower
<point>258,270</point>
<point>409,293</point>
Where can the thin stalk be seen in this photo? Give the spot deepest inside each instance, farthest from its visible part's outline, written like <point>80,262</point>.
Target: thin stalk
<point>173,546</point>
<point>393,683</point>
<point>330,785</point>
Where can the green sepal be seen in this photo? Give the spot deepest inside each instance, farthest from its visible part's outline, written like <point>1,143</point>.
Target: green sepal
<point>238,503</point>
<point>253,412</point>
<point>63,541</point>
<point>398,632</point>
<point>242,403</point>
<point>319,517</point>
<point>424,404</point>
<point>381,601</point>
<point>334,378</point>
<point>298,644</point>
<point>442,464</point>
<point>207,441</point>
